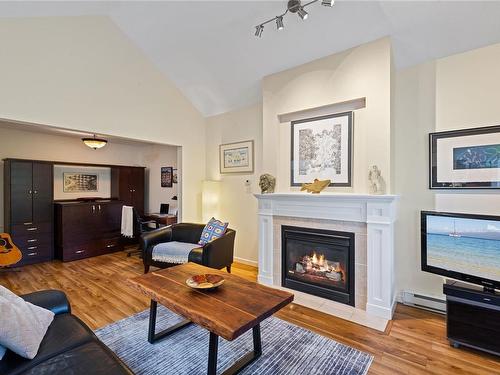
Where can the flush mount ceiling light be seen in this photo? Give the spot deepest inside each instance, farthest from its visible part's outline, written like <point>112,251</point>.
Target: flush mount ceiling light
<point>293,6</point>
<point>94,142</point>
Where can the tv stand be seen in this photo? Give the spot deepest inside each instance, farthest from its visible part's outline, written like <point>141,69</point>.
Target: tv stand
<point>472,316</point>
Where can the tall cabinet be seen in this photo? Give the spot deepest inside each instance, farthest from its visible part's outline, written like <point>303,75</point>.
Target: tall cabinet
<point>28,208</point>
<point>127,185</point>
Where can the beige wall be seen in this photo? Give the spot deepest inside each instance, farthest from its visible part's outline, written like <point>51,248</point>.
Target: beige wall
<point>456,92</point>
<point>41,146</point>
<point>237,204</point>
<point>83,73</point>
<point>364,71</point>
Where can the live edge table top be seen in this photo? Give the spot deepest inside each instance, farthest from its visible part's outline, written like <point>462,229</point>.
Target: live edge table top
<point>228,311</point>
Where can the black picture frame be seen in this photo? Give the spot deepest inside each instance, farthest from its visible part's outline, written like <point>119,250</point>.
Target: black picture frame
<point>434,162</point>
<point>350,116</point>
<point>167,176</point>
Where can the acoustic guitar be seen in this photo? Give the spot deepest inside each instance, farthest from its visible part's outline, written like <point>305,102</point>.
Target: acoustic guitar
<point>9,253</point>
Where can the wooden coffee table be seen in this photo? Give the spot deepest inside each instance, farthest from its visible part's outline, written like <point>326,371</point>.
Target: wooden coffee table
<point>232,309</point>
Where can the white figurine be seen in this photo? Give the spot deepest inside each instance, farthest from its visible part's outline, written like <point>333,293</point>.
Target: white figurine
<point>377,184</point>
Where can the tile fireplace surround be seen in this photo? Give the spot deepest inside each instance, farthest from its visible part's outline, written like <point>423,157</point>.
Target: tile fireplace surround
<point>371,219</point>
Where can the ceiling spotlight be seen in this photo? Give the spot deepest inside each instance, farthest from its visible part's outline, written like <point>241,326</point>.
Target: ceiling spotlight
<point>327,3</point>
<point>302,14</point>
<point>258,30</point>
<point>279,23</point>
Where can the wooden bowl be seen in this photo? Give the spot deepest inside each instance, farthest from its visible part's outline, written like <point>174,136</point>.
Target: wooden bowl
<point>205,282</point>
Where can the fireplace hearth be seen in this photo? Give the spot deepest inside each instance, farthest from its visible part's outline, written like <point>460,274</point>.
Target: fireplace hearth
<point>318,262</point>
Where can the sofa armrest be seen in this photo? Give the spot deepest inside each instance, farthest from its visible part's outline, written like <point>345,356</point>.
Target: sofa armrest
<point>53,300</point>
<point>150,239</point>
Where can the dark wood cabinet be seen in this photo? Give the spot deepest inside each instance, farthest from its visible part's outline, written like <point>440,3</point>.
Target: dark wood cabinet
<point>127,185</point>
<point>28,212</point>
<point>86,229</point>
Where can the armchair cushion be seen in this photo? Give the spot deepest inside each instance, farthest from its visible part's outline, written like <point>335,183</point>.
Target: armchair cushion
<point>213,230</point>
<point>173,252</point>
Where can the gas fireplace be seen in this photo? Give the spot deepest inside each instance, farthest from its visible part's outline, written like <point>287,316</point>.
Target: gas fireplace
<point>319,262</point>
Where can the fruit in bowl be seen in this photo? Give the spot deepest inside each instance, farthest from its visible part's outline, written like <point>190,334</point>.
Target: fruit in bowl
<point>206,281</point>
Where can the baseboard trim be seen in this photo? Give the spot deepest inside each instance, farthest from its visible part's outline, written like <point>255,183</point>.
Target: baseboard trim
<point>246,261</point>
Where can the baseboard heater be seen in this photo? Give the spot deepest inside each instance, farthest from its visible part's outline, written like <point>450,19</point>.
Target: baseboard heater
<point>424,302</point>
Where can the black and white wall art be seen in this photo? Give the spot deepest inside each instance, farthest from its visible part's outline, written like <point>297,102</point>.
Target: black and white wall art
<point>321,148</point>
<point>465,159</point>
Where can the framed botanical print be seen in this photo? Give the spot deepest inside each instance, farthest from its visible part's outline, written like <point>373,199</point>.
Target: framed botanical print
<point>322,149</point>
<point>465,159</point>
<point>166,176</point>
<point>236,157</point>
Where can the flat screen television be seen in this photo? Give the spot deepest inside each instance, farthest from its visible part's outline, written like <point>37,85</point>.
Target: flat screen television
<point>462,246</point>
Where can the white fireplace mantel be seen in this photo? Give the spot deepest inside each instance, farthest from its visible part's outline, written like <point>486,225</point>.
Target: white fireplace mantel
<point>377,211</point>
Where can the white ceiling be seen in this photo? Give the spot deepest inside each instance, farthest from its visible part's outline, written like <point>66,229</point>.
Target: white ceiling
<point>208,48</point>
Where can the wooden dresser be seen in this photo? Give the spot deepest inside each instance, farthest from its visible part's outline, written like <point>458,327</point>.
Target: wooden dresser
<point>86,229</point>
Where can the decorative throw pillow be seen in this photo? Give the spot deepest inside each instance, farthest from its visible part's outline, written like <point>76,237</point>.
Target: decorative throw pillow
<point>22,324</point>
<point>213,230</point>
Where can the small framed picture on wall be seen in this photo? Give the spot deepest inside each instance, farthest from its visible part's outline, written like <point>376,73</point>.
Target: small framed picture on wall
<point>166,176</point>
<point>465,159</point>
<point>236,157</point>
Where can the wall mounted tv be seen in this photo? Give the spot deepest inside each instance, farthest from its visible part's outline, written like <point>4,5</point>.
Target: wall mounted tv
<point>462,246</point>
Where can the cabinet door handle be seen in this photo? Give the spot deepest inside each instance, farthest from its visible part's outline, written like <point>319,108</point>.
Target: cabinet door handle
<point>99,207</point>
<point>27,223</point>
<point>35,192</point>
<point>32,247</point>
<point>31,229</point>
<point>110,245</point>
<point>30,192</point>
<point>79,251</point>
<point>32,254</point>
<point>32,240</point>
<point>93,208</point>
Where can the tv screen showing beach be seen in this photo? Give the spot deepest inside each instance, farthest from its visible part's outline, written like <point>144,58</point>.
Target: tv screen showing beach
<point>469,246</point>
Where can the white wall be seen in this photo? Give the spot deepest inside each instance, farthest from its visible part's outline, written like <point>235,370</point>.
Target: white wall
<point>43,146</point>
<point>456,92</point>
<point>363,71</point>
<point>237,204</point>
<point>83,73</point>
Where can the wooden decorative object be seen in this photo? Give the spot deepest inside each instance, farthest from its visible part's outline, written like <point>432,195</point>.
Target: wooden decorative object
<point>207,281</point>
<point>316,187</point>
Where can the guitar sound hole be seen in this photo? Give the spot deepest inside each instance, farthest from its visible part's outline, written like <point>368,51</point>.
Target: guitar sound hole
<point>2,242</point>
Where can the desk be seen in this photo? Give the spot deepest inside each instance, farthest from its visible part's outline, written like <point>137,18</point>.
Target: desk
<point>162,219</point>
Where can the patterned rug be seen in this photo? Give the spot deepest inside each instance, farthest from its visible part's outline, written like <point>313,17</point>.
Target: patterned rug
<point>287,349</point>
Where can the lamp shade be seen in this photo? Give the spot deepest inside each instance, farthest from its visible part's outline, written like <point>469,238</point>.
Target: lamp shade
<point>94,142</point>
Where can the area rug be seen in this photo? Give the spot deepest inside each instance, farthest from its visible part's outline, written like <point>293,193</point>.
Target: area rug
<point>287,349</point>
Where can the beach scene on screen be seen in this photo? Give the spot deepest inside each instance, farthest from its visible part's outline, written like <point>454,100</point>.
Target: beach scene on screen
<point>469,246</point>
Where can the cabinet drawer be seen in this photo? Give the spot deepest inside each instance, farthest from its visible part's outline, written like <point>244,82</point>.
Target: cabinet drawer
<point>30,229</point>
<point>34,239</point>
<point>108,245</point>
<point>35,254</point>
<point>70,253</point>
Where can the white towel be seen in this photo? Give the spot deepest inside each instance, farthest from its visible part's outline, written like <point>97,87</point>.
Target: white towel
<point>127,221</point>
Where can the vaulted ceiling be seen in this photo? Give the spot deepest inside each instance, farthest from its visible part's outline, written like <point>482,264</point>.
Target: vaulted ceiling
<point>208,48</point>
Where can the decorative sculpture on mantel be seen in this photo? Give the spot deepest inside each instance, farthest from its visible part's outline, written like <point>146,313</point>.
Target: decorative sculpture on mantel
<point>376,181</point>
<point>316,187</point>
<point>267,183</point>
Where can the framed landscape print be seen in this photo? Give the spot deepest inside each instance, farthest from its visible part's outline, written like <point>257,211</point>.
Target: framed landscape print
<point>166,176</point>
<point>465,159</point>
<point>80,182</point>
<point>236,157</point>
<point>322,148</point>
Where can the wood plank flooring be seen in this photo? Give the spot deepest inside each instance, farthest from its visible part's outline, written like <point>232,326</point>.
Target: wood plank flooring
<point>414,342</point>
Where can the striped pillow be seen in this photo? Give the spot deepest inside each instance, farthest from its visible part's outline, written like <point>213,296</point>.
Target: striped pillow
<point>213,230</point>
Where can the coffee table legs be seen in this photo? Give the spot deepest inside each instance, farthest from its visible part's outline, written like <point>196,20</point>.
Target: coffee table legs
<point>152,335</point>
<point>241,363</point>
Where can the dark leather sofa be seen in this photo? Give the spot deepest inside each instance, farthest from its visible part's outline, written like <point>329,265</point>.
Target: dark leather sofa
<point>69,346</point>
<point>216,254</point>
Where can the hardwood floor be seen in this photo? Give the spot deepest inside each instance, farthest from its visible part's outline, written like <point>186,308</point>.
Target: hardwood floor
<point>414,342</point>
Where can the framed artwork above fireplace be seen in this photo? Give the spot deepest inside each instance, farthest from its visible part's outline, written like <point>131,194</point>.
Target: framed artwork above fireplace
<point>321,148</point>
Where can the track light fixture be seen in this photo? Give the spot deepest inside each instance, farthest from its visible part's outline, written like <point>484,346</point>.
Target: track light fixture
<point>302,14</point>
<point>293,6</point>
<point>279,23</point>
